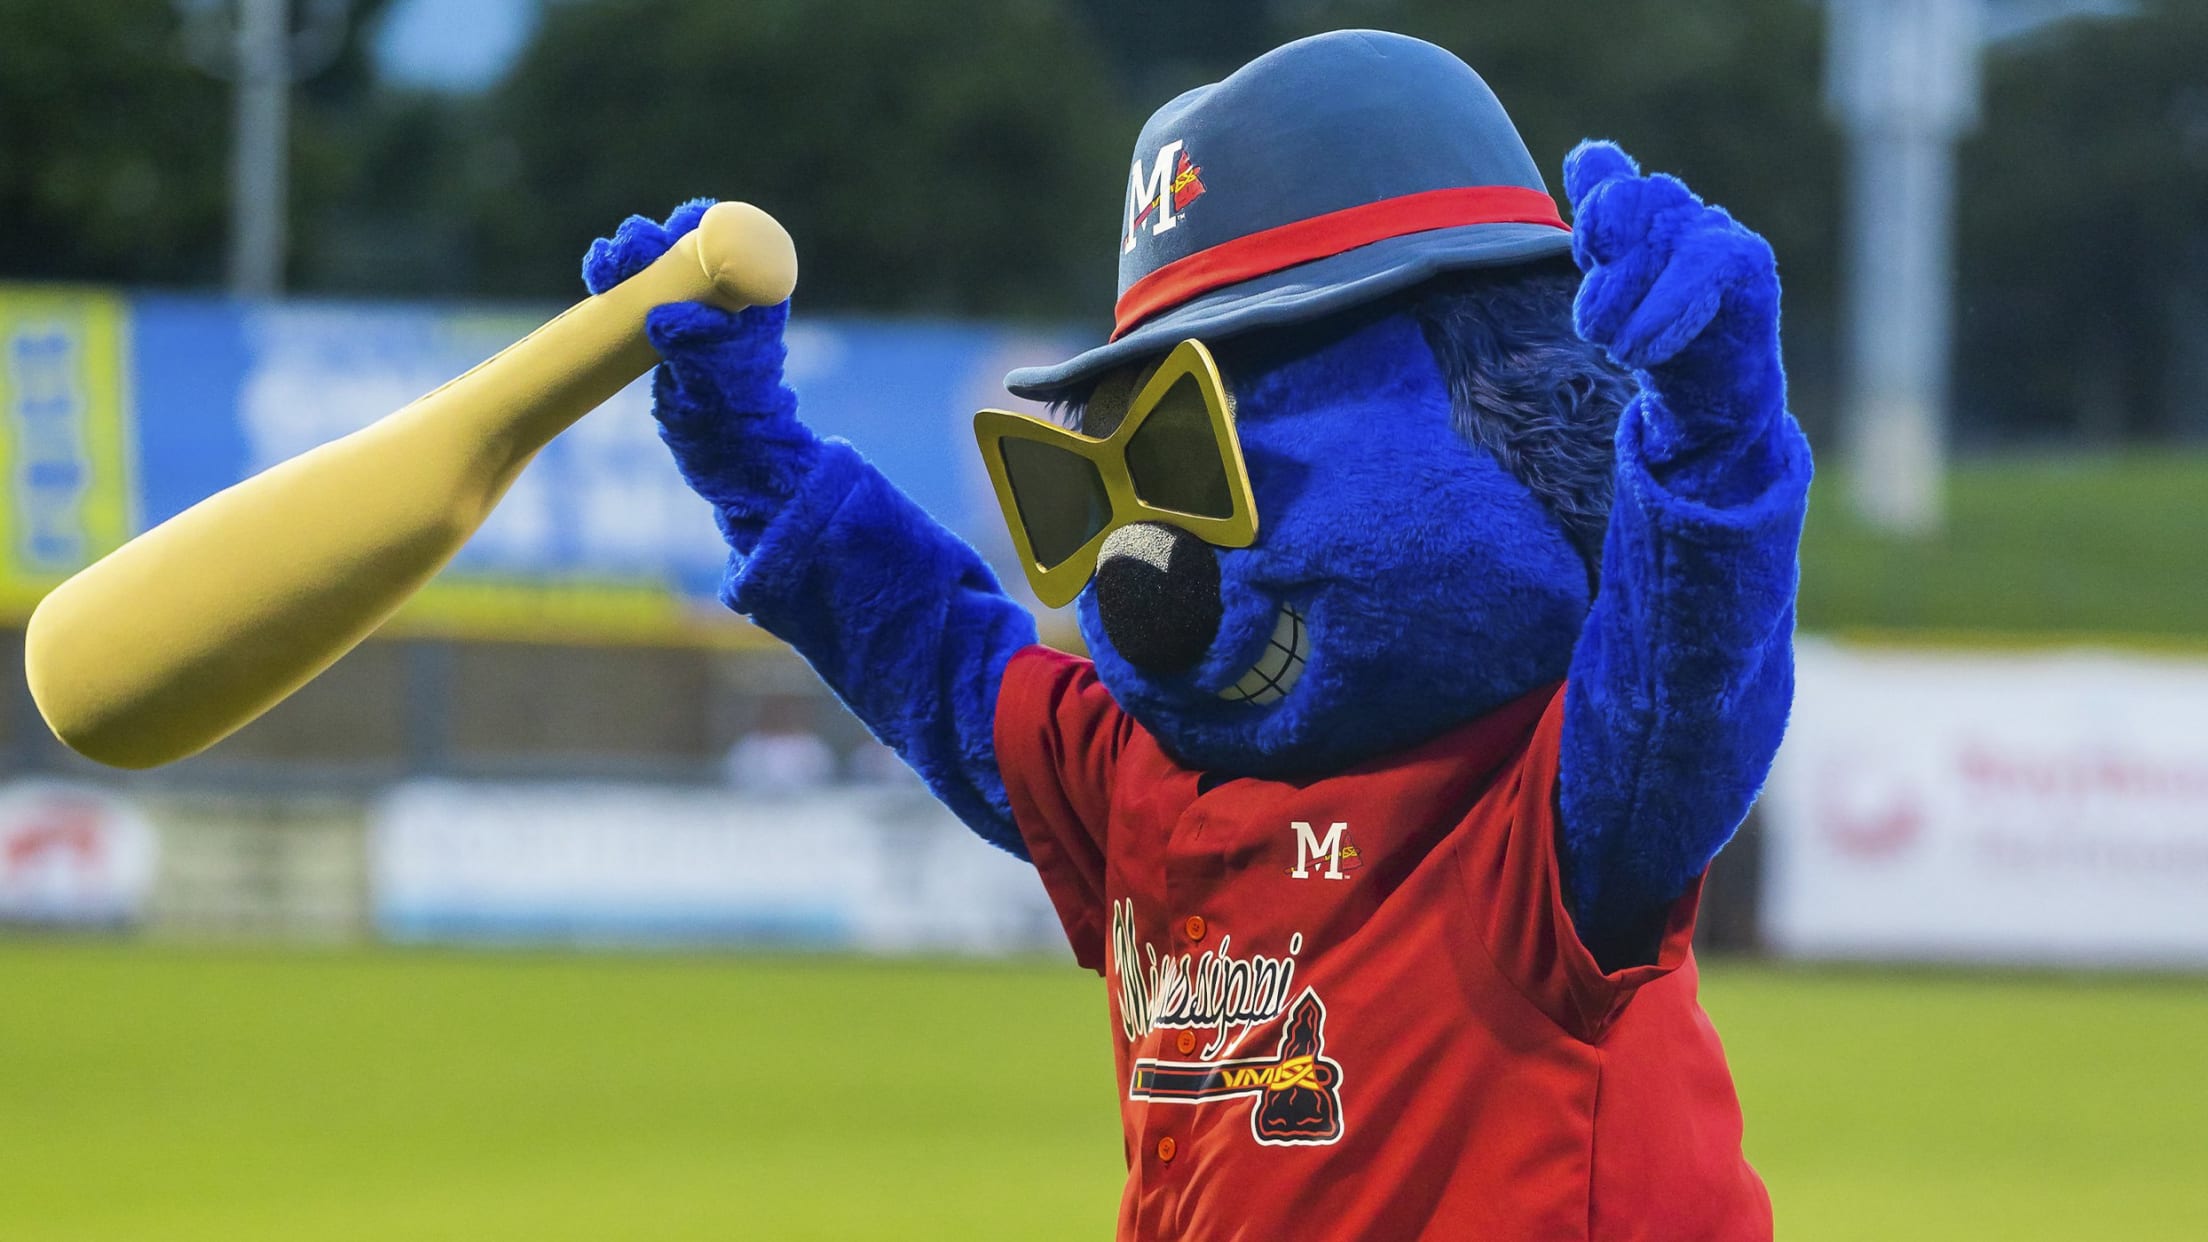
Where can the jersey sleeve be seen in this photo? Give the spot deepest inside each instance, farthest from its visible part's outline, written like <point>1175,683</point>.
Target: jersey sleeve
<point>1059,736</point>
<point>1516,885</point>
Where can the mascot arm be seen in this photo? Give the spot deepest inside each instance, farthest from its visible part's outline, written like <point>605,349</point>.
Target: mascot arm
<point>1680,684</point>
<point>899,616</point>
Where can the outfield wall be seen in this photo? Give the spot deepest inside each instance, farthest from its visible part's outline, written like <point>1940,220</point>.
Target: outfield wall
<point>870,868</point>
<point>2024,808</point>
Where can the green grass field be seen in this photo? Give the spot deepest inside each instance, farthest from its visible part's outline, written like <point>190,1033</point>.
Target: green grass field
<point>2061,547</point>
<point>152,1093</point>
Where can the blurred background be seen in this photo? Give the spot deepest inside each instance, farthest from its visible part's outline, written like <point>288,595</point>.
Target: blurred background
<point>572,908</point>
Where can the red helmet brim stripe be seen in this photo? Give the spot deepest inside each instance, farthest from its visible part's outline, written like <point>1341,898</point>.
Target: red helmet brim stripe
<point>1274,249</point>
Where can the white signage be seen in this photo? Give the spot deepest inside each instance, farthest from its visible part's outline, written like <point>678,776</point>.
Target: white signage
<point>2014,807</point>
<point>72,854</point>
<point>869,868</point>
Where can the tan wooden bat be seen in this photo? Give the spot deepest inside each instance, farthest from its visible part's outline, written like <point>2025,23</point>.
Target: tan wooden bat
<point>184,634</point>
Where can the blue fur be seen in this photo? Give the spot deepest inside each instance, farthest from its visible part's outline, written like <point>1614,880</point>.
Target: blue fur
<point>902,620</point>
<point>933,630</point>
<point>1464,497</point>
<point>1528,389</point>
<point>638,241</point>
<point>1435,585</point>
<point>1682,679</point>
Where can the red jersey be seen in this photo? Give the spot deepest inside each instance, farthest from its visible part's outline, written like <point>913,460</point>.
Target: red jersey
<point>1355,1008</point>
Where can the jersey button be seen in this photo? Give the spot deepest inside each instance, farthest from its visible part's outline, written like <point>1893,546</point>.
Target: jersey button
<point>1194,927</point>
<point>1166,1148</point>
<point>1186,1042</point>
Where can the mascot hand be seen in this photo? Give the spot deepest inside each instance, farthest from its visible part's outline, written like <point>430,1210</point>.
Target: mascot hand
<point>718,392</point>
<point>1675,289</point>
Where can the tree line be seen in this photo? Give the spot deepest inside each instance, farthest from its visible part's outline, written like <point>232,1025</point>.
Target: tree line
<point>968,157</point>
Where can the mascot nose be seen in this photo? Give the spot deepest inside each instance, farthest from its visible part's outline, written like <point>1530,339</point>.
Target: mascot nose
<point>1157,593</point>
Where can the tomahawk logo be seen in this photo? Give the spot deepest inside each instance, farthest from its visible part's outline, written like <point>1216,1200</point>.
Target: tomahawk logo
<point>1298,1089</point>
<point>1310,846</point>
<point>1161,193</point>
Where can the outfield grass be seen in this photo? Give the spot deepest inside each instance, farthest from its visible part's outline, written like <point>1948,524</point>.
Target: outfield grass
<point>2107,548</point>
<point>1943,1106</point>
<point>170,1094</point>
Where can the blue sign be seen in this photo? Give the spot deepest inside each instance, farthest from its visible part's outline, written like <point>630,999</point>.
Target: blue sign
<point>599,538</point>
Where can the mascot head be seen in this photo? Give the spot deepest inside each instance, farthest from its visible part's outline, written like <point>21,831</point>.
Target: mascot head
<point>1338,480</point>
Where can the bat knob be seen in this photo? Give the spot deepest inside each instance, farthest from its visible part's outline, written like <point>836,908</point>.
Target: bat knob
<point>747,255</point>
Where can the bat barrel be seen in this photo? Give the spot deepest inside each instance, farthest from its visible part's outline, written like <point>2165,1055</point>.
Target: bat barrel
<point>196,627</point>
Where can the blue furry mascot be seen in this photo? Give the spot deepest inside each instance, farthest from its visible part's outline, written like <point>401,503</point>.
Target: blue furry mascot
<point>1440,602</point>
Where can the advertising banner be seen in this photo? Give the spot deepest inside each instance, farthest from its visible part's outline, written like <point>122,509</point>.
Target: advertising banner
<point>880,869</point>
<point>72,855</point>
<point>65,431</point>
<point>2038,808</point>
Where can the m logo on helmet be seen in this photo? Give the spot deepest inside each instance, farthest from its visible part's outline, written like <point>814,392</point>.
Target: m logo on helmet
<point>1159,195</point>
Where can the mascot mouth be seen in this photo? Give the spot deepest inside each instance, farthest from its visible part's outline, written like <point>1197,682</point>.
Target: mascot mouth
<point>1279,666</point>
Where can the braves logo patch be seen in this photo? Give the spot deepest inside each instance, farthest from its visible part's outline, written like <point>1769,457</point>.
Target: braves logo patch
<point>1297,1089</point>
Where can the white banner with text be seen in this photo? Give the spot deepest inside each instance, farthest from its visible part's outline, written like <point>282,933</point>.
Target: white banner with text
<point>872,868</point>
<point>2043,808</point>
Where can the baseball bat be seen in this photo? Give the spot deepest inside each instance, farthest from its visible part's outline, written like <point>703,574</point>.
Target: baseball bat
<point>194,628</point>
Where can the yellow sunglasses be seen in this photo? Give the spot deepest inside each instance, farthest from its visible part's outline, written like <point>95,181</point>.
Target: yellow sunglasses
<point>1173,458</point>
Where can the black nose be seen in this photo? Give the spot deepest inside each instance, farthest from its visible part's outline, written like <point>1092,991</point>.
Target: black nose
<point>1157,592</point>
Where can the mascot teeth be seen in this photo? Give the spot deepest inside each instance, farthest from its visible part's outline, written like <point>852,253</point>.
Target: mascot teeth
<point>1276,671</point>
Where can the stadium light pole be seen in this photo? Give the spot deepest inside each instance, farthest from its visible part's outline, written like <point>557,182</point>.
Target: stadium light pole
<point>264,48</point>
<point>1902,77</point>
<point>259,156</point>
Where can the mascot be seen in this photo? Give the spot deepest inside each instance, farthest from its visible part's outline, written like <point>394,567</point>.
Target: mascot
<point>1439,602</point>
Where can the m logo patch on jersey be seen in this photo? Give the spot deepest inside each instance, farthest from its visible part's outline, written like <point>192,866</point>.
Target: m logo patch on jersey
<point>1333,850</point>
<point>1157,195</point>
<point>1297,1089</point>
